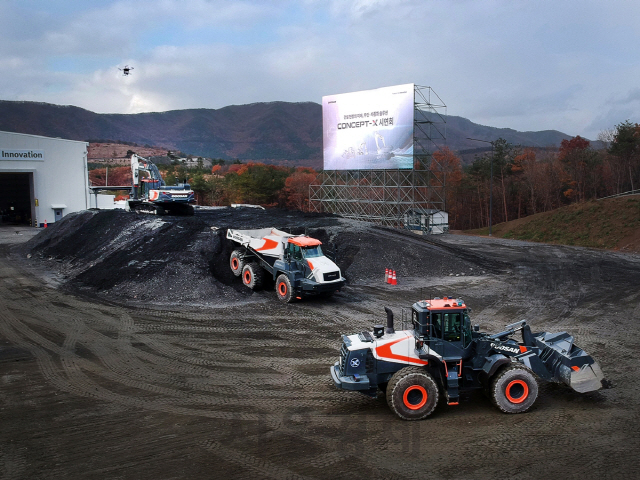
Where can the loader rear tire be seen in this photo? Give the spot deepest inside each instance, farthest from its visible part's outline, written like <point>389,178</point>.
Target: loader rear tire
<point>236,262</point>
<point>412,393</point>
<point>514,390</point>
<point>283,289</point>
<point>252,276</point>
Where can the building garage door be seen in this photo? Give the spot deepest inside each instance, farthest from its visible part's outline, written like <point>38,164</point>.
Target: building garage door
<point>16,198</point>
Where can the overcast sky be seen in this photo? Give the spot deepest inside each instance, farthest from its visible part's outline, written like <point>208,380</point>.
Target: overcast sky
<point>572,66</point>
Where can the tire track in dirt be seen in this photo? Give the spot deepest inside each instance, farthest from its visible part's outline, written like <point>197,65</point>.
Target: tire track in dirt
<point>256,465</point>
<point>74,366</point>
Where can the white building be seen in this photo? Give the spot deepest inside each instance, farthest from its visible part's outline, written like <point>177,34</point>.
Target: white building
<point>41,178</point>
<point>427,221</point>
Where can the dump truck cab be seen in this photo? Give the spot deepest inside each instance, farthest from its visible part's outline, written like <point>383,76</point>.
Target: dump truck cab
<point>300,248</point>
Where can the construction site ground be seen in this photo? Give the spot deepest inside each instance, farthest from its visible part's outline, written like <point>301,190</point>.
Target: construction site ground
<point>128,350</point>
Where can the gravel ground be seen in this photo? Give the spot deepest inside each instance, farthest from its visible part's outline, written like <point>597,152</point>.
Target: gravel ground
<point>127,350</point>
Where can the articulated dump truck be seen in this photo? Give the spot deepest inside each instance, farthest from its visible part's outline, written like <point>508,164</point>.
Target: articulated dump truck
<point>296,263</point>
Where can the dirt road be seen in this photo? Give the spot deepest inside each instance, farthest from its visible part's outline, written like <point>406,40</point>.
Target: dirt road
<point>92,389</point>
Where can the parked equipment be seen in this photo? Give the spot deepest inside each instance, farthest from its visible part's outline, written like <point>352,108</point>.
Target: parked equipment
<point>296,263</point>
<point>443,355</point>
<point>151,195</point>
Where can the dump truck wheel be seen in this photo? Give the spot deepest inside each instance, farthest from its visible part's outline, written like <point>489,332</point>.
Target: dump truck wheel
<point>236,262</point>
<point>252,275</point>
<point>514,390</point>
<point>412,393</point>
<point>283,289</point>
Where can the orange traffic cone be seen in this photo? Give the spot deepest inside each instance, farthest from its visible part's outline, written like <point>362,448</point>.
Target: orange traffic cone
<point>394,279</point>
<point>45,224</point>
<point>389,278</point>
<point>386,275</point>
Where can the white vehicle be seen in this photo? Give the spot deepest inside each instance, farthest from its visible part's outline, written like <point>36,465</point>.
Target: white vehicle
<point>296,263</point>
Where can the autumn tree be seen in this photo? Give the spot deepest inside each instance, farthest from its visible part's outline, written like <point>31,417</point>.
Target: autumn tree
<point>111,175</point>
<point>524,168</point>
<point>446,167</point>
<point>295,194</point>
<point>625,146</point>
<point>497,162</point>
<point>580,163</point>
<point>256,183</point>
<point>209,189</point>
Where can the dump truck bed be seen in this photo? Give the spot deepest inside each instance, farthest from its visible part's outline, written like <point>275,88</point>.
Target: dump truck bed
<point>266,241</point>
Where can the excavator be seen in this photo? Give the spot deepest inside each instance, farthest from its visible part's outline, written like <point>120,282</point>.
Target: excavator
<point>149,193</point>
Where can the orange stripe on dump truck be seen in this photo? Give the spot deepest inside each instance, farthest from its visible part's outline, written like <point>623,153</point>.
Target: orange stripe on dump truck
<point>268,244</point>
<point>305,241</point>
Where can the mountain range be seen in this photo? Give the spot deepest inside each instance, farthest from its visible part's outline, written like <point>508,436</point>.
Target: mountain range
<point>274,132</point>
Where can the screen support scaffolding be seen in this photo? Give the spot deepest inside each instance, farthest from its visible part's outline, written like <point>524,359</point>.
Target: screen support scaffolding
<point>386,197</point>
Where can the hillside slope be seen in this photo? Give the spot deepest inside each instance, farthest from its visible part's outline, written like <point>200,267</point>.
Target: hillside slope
<point>612,223</point>
<point>272,132</point>
<point>275,132</point>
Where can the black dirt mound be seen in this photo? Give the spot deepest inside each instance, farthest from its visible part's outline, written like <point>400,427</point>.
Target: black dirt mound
<point>123,256</point>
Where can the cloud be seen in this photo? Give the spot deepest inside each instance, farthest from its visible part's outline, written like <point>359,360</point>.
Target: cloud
<point>541,65</point>
<point>626,106</point>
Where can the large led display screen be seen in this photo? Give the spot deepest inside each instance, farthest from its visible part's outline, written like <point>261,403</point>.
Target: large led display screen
<point>372,129</point>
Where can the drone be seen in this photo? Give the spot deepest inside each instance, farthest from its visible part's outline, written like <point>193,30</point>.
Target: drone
<point>126,70</point>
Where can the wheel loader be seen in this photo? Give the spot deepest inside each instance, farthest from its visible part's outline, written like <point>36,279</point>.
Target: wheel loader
<point>444,356</point>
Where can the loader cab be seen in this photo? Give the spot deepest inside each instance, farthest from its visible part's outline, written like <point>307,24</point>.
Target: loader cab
<point>444,325</point>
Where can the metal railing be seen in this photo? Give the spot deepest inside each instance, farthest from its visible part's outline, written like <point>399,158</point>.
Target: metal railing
<point>624,194</point>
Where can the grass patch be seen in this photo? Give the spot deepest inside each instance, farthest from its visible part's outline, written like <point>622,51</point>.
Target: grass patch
<point>606,223</point>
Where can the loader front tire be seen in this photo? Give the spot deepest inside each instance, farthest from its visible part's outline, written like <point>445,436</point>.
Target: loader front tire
<point>252,276</point>
<point>236,262</point>
<point>412,393</point>
<point>514,390</point>
<point>283,289</point>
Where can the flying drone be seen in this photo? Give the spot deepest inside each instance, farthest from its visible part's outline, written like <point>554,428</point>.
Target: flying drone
<point>126,70</point>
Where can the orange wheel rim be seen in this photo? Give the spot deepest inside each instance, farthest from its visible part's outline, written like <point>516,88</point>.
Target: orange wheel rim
<point>234,263</point>
<point>282,288</point>
<point>247,277</point>
<point>415,397</point>
<point>517,391</point>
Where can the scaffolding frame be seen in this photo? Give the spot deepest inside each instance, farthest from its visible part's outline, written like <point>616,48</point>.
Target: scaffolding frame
<point>385,197</point>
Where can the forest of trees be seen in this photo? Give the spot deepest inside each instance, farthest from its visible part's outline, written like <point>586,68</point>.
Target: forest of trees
<point>525,181</point>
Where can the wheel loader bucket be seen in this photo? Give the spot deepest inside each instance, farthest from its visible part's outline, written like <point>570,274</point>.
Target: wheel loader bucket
<point>587,379</point>
<point>567,363</point>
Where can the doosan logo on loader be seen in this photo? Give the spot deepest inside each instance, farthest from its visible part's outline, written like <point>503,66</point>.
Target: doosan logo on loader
<point>497,346</point>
